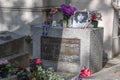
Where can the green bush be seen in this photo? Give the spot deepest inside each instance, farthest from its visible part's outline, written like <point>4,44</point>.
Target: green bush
<point>28,38</point>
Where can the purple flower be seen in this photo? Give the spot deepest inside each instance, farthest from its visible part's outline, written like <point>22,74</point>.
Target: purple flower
<point>67,9</point>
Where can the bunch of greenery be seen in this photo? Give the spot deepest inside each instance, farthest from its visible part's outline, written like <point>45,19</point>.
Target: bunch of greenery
<point>39,73</point>
<point>22,73</point>
<point>28,38</point>
<point>4,68</point>
<point>8,69</point>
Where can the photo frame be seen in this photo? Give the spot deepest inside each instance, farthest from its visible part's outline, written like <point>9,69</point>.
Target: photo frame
<point>81,19</point>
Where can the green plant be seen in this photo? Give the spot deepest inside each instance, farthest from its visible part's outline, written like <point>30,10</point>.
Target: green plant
<point>8,78</point>
<point>22,74</point>
<point>4,68</point>
<point>13,68</point>
<point>38,72</point>
<point>28,38</point>
<point>52,75</point>
<point>46,74</point>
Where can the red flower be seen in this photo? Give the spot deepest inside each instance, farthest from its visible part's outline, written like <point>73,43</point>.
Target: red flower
<point>37,61</point>
<point>85,72</point>
<point>93,16</point>
<point>21,67</point>
<point>53,11</point>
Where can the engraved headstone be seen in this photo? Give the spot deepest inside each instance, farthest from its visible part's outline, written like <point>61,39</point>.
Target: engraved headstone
<point>61,50</point>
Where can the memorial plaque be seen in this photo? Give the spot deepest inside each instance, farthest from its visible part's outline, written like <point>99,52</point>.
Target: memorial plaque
<point>60,49</point>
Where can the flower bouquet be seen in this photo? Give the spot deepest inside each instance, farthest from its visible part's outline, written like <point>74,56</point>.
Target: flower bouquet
<point>85,72</point>
<point>68,11</point>
<point>95,17</point>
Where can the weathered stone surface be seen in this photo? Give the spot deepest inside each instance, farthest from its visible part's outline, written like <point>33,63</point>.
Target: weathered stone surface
<point>13,48</point>
<point>63,54</point>
<point>22,59</point>
<point>13,45</point>
<point>60,49</point>
<point>91,44</point>
<point>65,67</point>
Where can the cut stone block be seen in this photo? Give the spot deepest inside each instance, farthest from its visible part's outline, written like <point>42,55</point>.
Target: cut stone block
<point>91,46</point>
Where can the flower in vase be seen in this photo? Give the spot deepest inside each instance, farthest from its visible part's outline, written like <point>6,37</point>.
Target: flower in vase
<point>53,11</point>
<point>67,11</point>
<point>96,16</point>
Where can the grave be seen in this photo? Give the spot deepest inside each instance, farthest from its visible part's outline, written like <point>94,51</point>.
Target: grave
<point>12,48</point>
<point>68,50</point>
<point>61,52</point>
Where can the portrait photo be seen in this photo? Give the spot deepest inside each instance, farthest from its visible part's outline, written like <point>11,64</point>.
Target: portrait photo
<point>81,19</point>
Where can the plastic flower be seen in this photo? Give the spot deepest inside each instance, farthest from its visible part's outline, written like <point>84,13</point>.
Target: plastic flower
<point>54,11</point>
<point>67,9</point>
<point>37,61</point>
<point>85,72</point>
<point>95,15</point>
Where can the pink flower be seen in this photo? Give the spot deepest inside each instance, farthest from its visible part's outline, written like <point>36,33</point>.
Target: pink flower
<point>53,11</point>
<point>85,72</point>
<point>93,16</point>
<point>37,61</point>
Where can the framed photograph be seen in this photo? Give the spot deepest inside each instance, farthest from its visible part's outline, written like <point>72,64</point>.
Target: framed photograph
<point>81,19</point>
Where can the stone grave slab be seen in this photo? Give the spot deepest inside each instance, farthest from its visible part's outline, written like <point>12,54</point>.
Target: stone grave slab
<point>91,44</point>
<point>12,48</point>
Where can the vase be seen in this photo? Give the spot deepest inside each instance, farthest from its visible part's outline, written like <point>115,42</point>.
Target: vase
<point>54,23</point>
<point>94,23</point>
<point>65,23</point>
